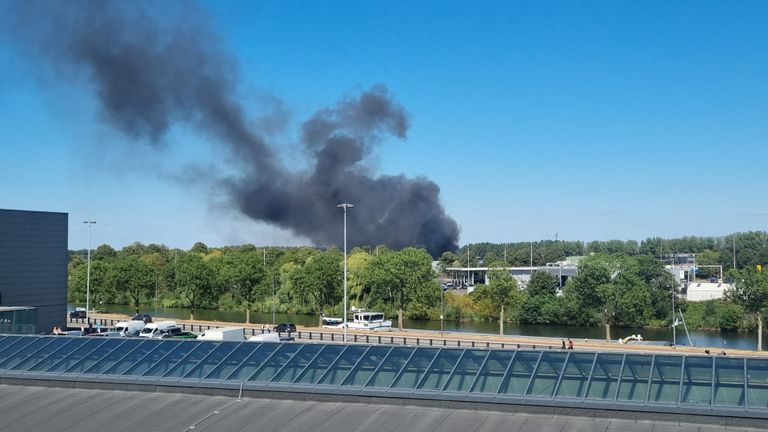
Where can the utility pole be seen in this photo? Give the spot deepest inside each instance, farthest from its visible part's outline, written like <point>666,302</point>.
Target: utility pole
<point>674,320</point>
<point>531,268</point>
<point>468,267</point>
<point>734,251</point>
<point>88,277</point>
<point>273,286</point>
<point>345,206</point>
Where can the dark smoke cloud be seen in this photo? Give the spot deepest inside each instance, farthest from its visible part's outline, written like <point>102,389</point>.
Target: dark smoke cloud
<point>150,74</point>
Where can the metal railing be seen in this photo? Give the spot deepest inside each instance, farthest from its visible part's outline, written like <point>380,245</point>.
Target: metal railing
<point>325,336</point>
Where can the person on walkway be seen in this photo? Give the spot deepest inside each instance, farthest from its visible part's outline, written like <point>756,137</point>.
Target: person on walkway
<point>570,344</point>
<point>563,347</point>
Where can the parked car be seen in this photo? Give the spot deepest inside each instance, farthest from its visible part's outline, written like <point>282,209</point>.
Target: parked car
<point>142,317</point>
<point>78,314</point>
<point>285,328</point>
<point>173,334</point>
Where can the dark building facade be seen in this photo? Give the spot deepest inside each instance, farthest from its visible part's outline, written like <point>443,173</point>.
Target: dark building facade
<point>33,264</point>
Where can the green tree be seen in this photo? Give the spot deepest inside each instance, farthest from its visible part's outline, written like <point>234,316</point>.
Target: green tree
<point>660,283</point>
<point>104,252</point>
<point>357,263</point>
<point>321,277</point>
<point>134,277</point>
<point>244,274</point>
<point>542,283</point>
<point>501,291</point>
<point>750,290</point>
<point>195,280</point>
<point>403,277</point>
<point>611,286</point>
<point>448,259</point>
<point>199,248</point>
<point>76,281</point>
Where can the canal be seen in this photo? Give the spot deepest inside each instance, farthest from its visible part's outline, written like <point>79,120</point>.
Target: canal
<point>701,338</point>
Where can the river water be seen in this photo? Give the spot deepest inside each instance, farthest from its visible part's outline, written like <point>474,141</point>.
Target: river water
<point>700,338</point>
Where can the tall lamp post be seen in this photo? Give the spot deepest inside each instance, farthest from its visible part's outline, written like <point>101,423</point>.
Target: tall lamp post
<point>442,326</point>
<point>88,277</point>
<point>345,206</point>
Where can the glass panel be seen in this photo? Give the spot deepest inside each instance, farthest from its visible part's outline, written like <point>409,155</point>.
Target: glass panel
<point>634,379</point>
<point>545,378</point>
<point>76,356</point>
<point>130,360</point>
<point>665,382</point>
<point>366,366</point>
<point>436,377</point>
<point>240,357</point>
<point>320,364</point>
<point>11,344</point>
<point>188,362</point>
<point>42,353</point>
<point>46,358</point>
<point>605,377</point>
<point>273,364</point>
<point>103,358</point>
<point>339,370</point>
<point>297,364</point>
<point>576,374</point>
<point>209,363</point>
<point>416,367</point>
<point>492,374</point>
<point>697,380</point>
<point>390,367</point>
<point>520,372</point>
<point>252,363</point>
<point>166,356</point>
<point>464,375</point>
<point>18,355</point>
<point>757,383</point>
<point>729,381</point>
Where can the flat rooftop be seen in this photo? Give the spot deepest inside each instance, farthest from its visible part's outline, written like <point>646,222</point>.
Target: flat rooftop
<point>31,408</point>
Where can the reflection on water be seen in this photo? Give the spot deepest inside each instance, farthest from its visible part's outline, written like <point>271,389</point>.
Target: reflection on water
<point>701,338</point>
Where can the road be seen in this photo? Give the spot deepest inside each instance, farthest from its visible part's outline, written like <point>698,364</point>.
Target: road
<point>464,338</point>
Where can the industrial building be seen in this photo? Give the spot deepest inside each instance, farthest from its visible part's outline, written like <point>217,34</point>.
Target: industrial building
<point>33,271</point>
<point>562,270</point>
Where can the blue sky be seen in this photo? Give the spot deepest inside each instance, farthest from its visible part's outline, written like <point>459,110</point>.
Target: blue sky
<point>593,120</point>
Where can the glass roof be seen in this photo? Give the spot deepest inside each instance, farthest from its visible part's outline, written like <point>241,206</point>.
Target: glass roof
<point>720,385</point>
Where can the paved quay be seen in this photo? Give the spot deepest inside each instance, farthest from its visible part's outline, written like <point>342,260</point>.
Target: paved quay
<point>465,338</point>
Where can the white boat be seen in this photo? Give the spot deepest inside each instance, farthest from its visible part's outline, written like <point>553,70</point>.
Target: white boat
<point>331,322</point>
<point>368,320</point>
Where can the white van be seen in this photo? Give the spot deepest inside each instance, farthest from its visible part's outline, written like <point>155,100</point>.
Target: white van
<point>266,337</point>
<point>129,328</point>
<point>223,334</point>
<point>157,329</point>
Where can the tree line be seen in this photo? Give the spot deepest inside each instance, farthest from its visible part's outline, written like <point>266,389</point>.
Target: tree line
<point>749,248</point>
<point>303,279</point>
<point>619,283</point>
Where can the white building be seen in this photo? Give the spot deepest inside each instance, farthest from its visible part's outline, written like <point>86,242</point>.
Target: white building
<point>702,291</point>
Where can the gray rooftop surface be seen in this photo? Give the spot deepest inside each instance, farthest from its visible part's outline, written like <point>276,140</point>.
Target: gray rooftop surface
<point>31,408</point>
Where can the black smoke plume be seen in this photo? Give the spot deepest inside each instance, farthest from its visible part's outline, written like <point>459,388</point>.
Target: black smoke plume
<point>149,74</point>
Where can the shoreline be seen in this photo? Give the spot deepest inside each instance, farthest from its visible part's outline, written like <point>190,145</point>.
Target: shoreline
<point>591,344</point>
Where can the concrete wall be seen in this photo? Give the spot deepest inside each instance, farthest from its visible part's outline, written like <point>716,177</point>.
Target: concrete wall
<point>33,264</point>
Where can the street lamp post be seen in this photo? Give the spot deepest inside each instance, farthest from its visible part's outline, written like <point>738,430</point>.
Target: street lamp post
<point>88,277</point>
<point>345,206</point>
<point>442,294</point>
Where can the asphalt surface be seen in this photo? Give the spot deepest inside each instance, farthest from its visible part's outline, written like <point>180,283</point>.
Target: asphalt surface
<point>542,342</point>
